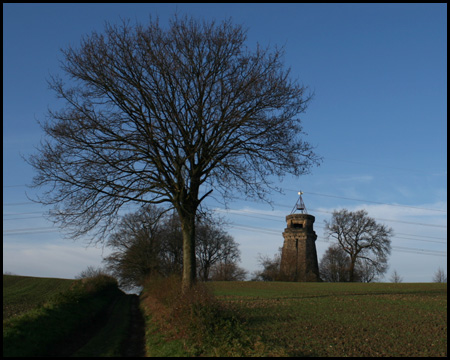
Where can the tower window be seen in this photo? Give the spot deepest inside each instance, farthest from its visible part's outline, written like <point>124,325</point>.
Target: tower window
<point>297,226</point>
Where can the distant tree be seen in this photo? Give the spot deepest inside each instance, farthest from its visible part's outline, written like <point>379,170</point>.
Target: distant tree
<point>91,272</point>
<point>367,270</point>
<point>166,116</point>
<point>150,242</point>
<point>223,271</point>
<point>363,240</point>
<point>136,246</point>
<point>271,268</point>
<point>395,277</point>
<point>171,238</point>
<point>213,246</point>
<point>334,265</point>
<point>440,276</point>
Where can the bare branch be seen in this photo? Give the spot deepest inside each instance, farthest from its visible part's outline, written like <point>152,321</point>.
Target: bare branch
<point>361,238</point>
<point>160,116</point>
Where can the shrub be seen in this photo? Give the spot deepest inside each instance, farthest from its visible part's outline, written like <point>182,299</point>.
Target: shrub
<point>96,280</point>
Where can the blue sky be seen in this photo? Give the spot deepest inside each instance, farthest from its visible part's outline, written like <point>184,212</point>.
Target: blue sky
<point>378,118</point>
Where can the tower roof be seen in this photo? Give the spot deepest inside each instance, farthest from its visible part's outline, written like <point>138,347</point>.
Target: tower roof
<point>299,205</point>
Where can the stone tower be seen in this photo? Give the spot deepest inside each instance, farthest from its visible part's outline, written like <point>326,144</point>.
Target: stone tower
<point>299,255</point>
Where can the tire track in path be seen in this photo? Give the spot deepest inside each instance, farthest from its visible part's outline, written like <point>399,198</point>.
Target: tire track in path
<point>105,332</point>
<point>134,344</point>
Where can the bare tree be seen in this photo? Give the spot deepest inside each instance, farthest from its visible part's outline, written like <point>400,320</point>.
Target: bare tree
<point>137,246</point>
<point>167,116</point>
<point>223,271</point>
<point>271,268</point>
<point>213,245</point>
<point>362,239</point>
<point>368,269</point>
<point>439,276</point>
<point>172,245</point>
<point>334,264</point>
<point>149,242</point>
<point>396,278</point>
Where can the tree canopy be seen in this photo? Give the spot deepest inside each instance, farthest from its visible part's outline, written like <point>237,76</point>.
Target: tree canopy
<point>366,242</point>
<point>154,115</point>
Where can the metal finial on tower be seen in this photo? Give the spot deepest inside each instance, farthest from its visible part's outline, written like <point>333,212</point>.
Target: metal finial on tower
<point>299,205</point>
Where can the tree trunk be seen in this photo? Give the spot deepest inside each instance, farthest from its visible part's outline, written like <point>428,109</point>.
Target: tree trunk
<point>351,270</point>
<point>189,266</point>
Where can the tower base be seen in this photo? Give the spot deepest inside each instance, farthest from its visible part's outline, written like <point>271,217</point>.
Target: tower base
<point>299,255</point>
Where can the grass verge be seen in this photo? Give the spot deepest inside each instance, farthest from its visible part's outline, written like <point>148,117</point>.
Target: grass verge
<point>193,323</point>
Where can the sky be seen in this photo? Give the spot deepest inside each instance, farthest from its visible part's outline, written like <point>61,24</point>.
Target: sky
<point>378,118</point>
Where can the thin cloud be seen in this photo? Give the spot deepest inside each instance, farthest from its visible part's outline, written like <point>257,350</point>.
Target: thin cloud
<point>355,179</point>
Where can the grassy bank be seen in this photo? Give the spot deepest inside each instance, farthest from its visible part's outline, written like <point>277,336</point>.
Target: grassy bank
<point>191,324</point>
<point>42,327</point>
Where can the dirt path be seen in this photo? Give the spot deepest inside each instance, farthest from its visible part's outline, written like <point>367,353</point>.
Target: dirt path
<point>134,345</point>
<point>82,336</point>
<point>93,339</point>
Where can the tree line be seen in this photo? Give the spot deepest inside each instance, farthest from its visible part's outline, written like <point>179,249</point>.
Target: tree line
<point>149,242</point>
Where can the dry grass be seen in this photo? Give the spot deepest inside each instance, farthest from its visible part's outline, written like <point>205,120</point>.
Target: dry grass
<point>203,325</point>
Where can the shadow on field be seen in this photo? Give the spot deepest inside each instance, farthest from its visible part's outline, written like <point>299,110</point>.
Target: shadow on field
<point>82,335</point>
<point>134,344</point>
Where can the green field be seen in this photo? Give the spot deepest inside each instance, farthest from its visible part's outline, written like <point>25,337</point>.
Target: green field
<point>341,319</point>
<point>24,293</point>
